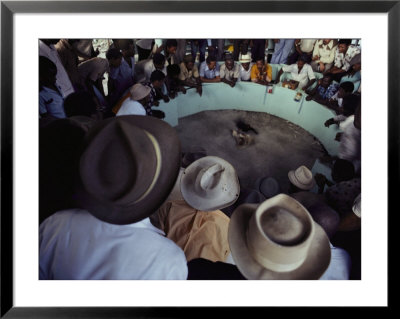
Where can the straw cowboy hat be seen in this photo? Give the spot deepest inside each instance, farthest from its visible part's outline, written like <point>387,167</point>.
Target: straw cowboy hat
<point>139,91</point>
<point>302,177</point>
<point>278,239</point>
<point>245,58</point>
<point>268,186</point>
<point>210,183</point>
<point>128,167</point>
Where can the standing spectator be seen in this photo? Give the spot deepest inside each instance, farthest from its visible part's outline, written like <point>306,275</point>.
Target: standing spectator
<point>240,48</point>
<point>282,50</point>
<point>189,74</point>
<point>209,70</point>
<point>216,48</point>
<point>84,49</point>
<point>229,71</point>
<point>180,51</point>
<point>258,49</point>
<point>69,58</point>
<point>144,48</point>
<point>323,55</point>
<point>110,237</point>
<point>245,68</point>
<point>300,72</point>
<point>138,101</point>
<point>51,102</point>
<point>171,46</point>
<point>261,72</point>
<point>63,82</point>
<point>344,53</point>
<point>198,45</point>
<point>304,47</point>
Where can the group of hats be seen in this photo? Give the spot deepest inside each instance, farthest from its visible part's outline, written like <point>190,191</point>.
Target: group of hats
<point>129,165</point>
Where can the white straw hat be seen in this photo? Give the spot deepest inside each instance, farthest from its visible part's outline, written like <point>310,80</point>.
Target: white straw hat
<point>139,91</point>
<point>302,177</point>
<point>245,58</point>
<point>278,239</point>
<point>210,183</point>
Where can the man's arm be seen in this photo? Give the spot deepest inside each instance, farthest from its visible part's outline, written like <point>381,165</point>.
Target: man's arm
<point>278,77</point>
<point>213,80</point>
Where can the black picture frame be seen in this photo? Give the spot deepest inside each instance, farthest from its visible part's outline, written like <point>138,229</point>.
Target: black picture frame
<point>9,8</point>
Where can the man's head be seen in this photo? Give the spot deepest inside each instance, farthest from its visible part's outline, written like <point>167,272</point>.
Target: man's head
<point>301,61</point>
<point>260,63</point>
<point>47,72</point>
<point>345,89</point>
<point>159,61</point>
<point>170,46</point>
<point>326,81</point>
<point>326,41</point>
<point>114,57</point>
<point>245,61</point>
<point>173,71</point>
<point>229,61</point>
<point>343,170</point>
<point>157,79</point>
<point>343,45</point>
<point>188,60</point>
<point>211,62</point>
<point>126,46</point>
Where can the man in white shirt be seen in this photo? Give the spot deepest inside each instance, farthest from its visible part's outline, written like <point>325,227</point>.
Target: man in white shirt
<point>245,68</point>
<point>127,168</point>
<point>300,72</point>
<point>145,68</point>
<point>229,71</point>
<point>135,105</point>
<point>63,83</point>
<point>323,55</point>
<point>303,47</point>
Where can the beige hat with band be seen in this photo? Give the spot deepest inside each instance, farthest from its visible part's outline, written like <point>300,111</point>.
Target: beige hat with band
<point>139,91</point>
<point>210,183</point>
<point>302,177</point>
<point>278,239</point>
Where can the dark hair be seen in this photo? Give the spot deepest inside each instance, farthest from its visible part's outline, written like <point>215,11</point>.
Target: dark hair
<point>211,58</point>
<point>303,57</point>
<point>171,43</point>
<point>113,53</point>
<point>343,170</point>
<point>173,69</point>
<point>158,58</point>
<point>347,86</point>
<point>79,103</point>
<point>45,65</point>
<point>344,41</point>
<point>157,75</point>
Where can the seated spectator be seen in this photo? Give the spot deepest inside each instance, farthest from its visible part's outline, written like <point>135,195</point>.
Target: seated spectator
<point>323,55</point>
<point>172,82</point>
<point>48,50</point>
<point>196,223</point>
<point>209,70</point>
<point>344,96</point>
<point>300,179</point>
<point>110,236</point>
<point>245,68</point>
<point>324,90</point>
<point>145,68</point>
<point>300,72</point>
<point>281,50</point>
<point>344,53</point>
<point>261,72</point>
<point>303,47</point>
<point>51,102</point>
<point>138,101</point>
<point>189,74</point>
<point>156,84</point>
<point>83,104</point>
<point>229,71</point>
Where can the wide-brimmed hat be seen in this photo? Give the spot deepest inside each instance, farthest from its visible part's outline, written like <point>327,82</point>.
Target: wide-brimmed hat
<point>278,239</point>
<point>245,58</point>
<point>302,178</point>
<point>210,183</point>
<point>128,167</point>
<point>268,186</point>
<point>139,91</point>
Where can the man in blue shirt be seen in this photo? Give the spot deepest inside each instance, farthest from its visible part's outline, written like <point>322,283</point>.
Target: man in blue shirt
<point>324,90</point>
<point>209,70</point>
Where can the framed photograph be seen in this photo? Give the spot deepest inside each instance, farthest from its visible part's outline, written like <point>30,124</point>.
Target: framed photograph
<point>23,23</point>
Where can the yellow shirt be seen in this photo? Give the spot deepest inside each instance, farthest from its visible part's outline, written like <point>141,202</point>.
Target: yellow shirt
<point>200,234</point>
<point>255,74</point>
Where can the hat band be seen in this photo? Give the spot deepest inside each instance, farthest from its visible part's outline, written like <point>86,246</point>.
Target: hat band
<point>263,260</point>
<point>158,168</point>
